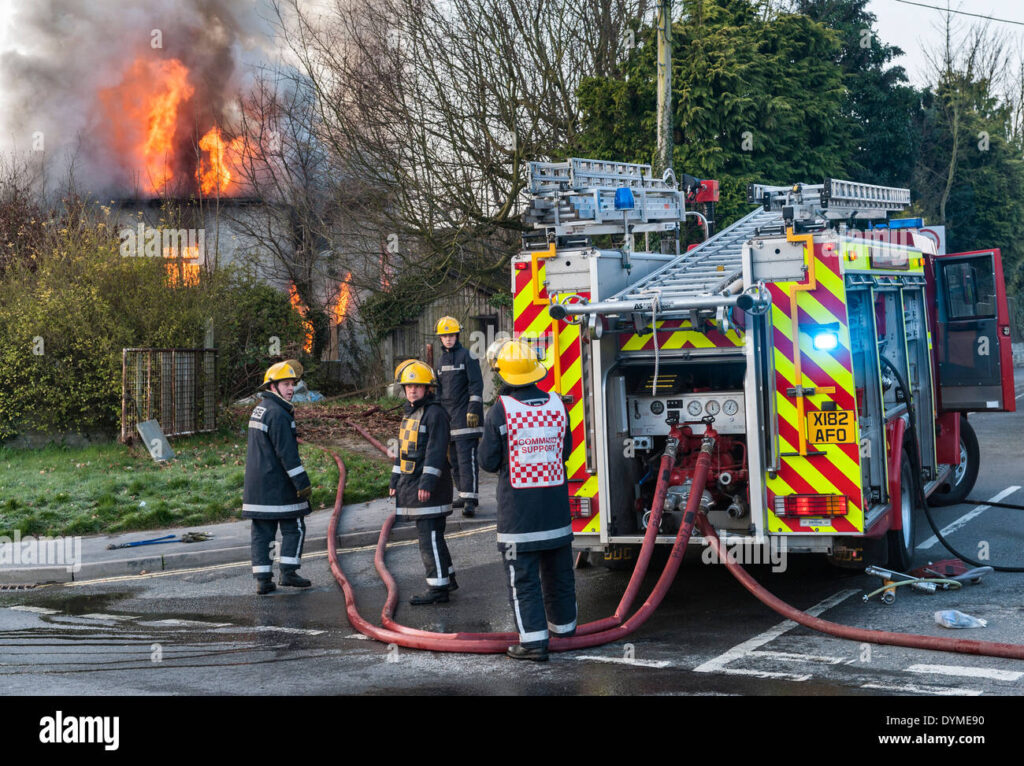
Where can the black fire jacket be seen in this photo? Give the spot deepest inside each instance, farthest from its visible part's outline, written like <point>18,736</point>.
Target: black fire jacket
<point>274,473</point>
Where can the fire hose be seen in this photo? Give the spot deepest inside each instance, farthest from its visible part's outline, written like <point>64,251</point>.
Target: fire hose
<point>591,634</point>
<point>611,628</point>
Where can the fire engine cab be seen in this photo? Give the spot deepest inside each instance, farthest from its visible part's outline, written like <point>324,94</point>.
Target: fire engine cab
<point>836,352</point>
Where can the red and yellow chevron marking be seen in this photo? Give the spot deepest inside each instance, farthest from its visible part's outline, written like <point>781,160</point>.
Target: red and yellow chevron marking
<point>806,468</point>
<point>565,368</point>
<point>679,333</point>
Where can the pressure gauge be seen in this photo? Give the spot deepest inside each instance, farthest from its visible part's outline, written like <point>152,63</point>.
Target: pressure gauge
<point>657,407</point>
<point>693,408</point>
<point>712,407</point>
<point>730,407</point>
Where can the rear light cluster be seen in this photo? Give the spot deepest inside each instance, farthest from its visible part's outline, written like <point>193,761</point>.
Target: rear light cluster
<point>810,505</point>
<point>581,507</point>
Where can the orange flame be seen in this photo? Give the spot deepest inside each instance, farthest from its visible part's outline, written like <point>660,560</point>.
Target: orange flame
<point>181,271</point>
<point>143,113</point>
<point>213,176</point>
<point>293,296</point>
<point>340,308</point>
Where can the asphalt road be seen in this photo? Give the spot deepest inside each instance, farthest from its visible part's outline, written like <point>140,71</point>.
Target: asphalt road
<point>205,632</point>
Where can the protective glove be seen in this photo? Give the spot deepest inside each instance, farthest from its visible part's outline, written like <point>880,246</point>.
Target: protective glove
<point>472,420</point>
<point>305,493</point>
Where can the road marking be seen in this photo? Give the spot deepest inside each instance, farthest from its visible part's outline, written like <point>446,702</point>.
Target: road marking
<point>273,628</point>
<point>174,623</point>
<point>626,661</point>
<point>36,609</point>
<point>359,636</point>
<point>977,511</point>
<point>98,616</point>
<point>793,657</point>
<point>962,670</point>
<point>717,665</point>
<point>1018,396</point>
<point>941,691</point>
<point>236,564</point>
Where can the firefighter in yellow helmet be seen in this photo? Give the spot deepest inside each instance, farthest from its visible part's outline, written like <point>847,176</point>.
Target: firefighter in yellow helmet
<point>421,480</point>
<point>526,442</point>
<point>277,488</point>
<point>461,392</point>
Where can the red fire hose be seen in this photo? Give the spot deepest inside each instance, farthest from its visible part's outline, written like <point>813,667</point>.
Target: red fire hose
<point>487,643</point>
<point>611,628</point>
<point>914,641</point>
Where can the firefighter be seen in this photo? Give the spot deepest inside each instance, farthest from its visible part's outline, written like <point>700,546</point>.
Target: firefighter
<point>461,393</point>
<point>277,487</point>
<point>421,480</point>
<point>527,441</point>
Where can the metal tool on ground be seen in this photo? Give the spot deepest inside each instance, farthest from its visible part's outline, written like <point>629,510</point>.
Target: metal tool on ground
<point>892,580</point>
<point>188,537</point>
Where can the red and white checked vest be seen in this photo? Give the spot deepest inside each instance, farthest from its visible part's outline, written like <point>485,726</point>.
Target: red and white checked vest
<point>536,434</point>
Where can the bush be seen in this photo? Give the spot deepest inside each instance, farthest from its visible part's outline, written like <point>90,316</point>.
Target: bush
<point>69,308</point>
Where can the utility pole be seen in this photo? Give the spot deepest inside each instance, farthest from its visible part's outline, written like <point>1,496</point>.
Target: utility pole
<point>663,160</point>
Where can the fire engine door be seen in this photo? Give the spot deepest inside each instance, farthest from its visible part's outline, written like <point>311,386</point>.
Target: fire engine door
<point>974,354</point>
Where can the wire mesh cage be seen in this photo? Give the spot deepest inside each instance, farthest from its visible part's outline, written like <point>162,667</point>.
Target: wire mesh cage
<point>177,387</point>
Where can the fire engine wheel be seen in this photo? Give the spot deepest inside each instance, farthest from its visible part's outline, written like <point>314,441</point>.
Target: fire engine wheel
<point>901,541</point>
<point>961,482</point>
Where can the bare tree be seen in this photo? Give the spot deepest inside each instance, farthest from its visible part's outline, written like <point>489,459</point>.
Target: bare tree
<point>438,107</point>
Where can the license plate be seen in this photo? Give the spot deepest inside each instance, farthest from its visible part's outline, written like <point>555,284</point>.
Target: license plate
<point>831,427</point>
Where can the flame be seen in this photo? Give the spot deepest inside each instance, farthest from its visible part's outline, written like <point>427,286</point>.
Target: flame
<point>143,113</point>
<point>180,272</point>
<point>213,175</point>
<point>293,296</point>
<point>340,308</point>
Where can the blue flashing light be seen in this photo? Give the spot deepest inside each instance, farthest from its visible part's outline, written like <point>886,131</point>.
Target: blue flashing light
<point>906,223</point>
<point>624,198</point>
<point>826,340</point>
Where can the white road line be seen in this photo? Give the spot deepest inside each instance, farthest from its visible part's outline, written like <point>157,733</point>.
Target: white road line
<point>272,628</point>
<point>36,609</point>
<point>173,623</point>
<point>962,670</point>
<point>977,511</point>
<point>940,691</point>
<point>1018,396</point>
<point>98,616</point>
<point>359,637</point>
<point>793,657</point>
<point>626,661</point>
<point>717,665</point>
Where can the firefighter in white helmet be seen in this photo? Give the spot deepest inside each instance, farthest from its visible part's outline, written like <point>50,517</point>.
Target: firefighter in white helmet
<point>461,388</point>
<point>277,487</point>
<point>421,480</point>
<point>527,441</point>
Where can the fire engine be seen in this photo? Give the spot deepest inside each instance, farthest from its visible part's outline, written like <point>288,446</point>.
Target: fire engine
<point>836,351</point>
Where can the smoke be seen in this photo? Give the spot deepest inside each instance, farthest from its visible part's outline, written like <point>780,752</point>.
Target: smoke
<point>73,76</point>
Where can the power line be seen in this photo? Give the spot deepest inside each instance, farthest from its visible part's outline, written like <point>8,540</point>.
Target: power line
<point>962,13</point>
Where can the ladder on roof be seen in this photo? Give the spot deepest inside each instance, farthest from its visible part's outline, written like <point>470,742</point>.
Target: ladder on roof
<point>832,200</point>
<point>577,197</point>
<point>697,279</point>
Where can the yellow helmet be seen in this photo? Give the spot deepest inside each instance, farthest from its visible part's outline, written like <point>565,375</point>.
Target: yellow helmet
<point>402,366</point>
<point>448,326</point>
<point>289,369</point>
<point>518,365</point>
<point>414,371</point>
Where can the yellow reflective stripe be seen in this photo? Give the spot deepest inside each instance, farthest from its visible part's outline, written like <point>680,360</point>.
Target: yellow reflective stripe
<point>589,488</point>
<point>838,458</point>
<point>593,526</point>
<point>575,415</point>
<point>576,459</point>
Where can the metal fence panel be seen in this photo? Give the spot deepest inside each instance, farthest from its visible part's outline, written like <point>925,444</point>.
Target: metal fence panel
<point>175,386</point>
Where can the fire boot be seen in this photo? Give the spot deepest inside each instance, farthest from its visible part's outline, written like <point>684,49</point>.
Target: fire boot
<point>452,585</point>
<point>458,502</point>
<point>265,586</point>
<point>470,510</point>
<point>432,596</point>
<point>290,578</point>
<point>519,652</point>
